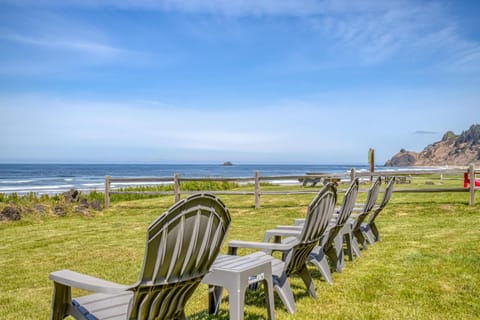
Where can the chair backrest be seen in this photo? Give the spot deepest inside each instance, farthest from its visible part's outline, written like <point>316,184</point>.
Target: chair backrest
<point>348,203</point>
<point>386,197</point>
<point>182,244</point>
<point>319,213</point>
<point>371,199</point>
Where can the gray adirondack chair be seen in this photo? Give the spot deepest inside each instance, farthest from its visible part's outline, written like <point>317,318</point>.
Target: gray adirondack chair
<point>296,248</point>
<point>332,246</point>
<point>182,244</point>
<point>331,243</point>
<point>355,233</point>
<point>369,228</point>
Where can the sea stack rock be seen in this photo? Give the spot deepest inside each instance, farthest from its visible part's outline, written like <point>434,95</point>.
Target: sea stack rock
<point>403,159</point>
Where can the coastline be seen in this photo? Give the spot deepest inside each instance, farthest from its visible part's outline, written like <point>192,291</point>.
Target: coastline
<point>54,179</point>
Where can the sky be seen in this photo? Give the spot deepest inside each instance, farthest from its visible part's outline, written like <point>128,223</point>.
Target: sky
<point>252,81</point>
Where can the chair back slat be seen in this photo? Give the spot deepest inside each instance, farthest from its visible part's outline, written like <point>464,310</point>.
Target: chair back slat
<point>162,251</point>
<point>175,256</point>
<point>182,244</point>
<point>204,242</point>
<point>193,244</point>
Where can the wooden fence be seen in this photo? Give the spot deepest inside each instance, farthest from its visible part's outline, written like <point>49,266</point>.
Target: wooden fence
<point>307,178</point>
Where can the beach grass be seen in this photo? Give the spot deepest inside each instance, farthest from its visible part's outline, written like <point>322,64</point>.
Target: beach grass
<point>425,267</point>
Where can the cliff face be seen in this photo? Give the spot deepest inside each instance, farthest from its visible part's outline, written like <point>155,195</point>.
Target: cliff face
<point>460,150</point>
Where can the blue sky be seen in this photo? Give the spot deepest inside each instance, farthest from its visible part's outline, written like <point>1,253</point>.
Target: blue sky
<point>190,81</point>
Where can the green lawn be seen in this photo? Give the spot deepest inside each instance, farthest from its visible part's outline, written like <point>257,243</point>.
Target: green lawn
<point>425,267</point>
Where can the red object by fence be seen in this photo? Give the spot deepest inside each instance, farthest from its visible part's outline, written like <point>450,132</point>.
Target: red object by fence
<point>466,181</point>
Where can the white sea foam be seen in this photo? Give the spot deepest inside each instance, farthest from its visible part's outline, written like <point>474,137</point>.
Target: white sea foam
<point>54,179</point>
<point>33,188</point>
<point>93,184</point>
<point>15,181</point>
<point>122,184</point>
<point>284,182</point>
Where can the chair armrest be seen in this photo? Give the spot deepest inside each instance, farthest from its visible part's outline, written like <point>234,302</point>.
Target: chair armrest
<point>299,222</point>
<point>234,244</point>
<point>82,281</point>
<point>294,228</point>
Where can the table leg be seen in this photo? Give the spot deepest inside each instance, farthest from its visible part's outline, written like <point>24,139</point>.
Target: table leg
<point>214,299</point>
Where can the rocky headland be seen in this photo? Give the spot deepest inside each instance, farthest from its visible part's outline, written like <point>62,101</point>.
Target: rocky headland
<point>452,150</point>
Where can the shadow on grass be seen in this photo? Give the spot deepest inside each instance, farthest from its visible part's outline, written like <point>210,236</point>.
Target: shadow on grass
<point>254,298</point>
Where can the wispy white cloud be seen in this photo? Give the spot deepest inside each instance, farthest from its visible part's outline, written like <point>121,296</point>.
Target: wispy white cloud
<point>227,7</point>
<point>130,125</point>
<point>349,32</point>
<point>421,132</point>
<point>52,42</point>
<point>79,45</point>
<point>224,7</point>
<point>378,34</point>
<point>465,58</point>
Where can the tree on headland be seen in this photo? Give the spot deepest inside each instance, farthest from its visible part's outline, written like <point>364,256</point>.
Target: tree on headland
<point>472,135</point>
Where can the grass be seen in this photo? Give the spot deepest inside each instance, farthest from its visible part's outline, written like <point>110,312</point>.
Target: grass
<point>425,267</point>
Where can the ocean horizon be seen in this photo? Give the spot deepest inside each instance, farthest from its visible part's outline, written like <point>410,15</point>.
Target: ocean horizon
<point>50,178</point>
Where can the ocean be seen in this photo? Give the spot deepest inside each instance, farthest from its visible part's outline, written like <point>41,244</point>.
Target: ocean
<point>57,178</point>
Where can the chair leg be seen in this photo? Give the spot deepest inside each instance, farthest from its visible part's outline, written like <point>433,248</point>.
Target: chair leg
<point>348,241</point>
<point>214,299</point>
<point>337,253</point>
<point>61,299</point>
<point>284,291</point>
<point>375,232</point>
<point>361,239</point>
<point>368,235</point>
<point>354,245</point>
<point>331,253</point>
<point>307,279</point>
<point>317,257</point>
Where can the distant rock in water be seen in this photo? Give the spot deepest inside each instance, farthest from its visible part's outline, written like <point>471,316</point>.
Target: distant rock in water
<point>227,163</point>
<point>459,150</point>
<point>403,159</point>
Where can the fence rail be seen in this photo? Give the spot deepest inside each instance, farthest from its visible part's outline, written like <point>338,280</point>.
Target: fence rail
<point>311,177</point>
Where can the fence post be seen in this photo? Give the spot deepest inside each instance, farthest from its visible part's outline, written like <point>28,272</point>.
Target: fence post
<point>471,176</point>
<point>371,161</point>
<point>353,174</point>
<point>257,189</point>
<point>107,192</point>
<point>176,186</point>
